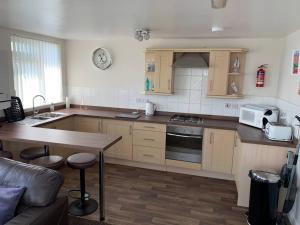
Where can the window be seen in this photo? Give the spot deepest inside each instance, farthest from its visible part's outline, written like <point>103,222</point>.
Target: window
<point>37,70</point>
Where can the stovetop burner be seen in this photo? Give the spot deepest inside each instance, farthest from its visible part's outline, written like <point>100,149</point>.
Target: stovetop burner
<point>186,119</point>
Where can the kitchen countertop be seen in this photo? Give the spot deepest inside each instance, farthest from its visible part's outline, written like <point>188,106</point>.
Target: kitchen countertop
<point>70,139</point>
<point>246,133</point>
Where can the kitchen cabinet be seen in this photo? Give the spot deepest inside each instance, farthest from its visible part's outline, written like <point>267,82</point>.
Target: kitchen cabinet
<point>88,124</point>
<point>63,124</point>
<point>159,72</point>
<point>226,73</point>
<point>218,150</point>
<point>149,141</point>
<point>122,149</point>
<point>256,157</point>
<point>236,154</point>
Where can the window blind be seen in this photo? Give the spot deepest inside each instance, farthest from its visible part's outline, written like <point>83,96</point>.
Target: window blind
<point>37,70</point>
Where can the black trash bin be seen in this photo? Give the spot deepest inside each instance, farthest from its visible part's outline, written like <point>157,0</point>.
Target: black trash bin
<point>263,202</point>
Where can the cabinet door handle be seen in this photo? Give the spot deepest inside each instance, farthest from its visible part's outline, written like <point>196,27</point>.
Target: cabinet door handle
<point>211,84</point>
<point>148,139</point>
<point>211,138</point>
<point>99,125</point>
<point>149,127</point>
<point>235,141</point>
<point>169,84</point>
<point>148,155</point>
<point>130,130</point>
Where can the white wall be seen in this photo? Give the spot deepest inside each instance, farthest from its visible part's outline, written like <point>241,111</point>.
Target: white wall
<point>289,102</point>
<point>122,83</point>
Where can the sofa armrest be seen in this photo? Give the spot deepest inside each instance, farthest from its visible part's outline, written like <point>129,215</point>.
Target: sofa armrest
<point>54,214</point>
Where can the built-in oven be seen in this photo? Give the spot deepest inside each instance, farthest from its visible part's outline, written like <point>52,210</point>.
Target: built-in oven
<point>184,143</point>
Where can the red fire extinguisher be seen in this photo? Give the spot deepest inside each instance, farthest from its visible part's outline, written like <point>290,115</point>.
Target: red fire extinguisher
<point>260,75</point>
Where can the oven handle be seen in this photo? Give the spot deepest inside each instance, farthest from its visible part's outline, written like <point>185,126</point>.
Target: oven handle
<point>185,136</point>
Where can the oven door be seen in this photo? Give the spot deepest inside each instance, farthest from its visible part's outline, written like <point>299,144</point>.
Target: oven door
<point>184,147</point>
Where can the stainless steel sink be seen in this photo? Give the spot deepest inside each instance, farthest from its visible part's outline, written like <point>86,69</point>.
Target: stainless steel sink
<point>50,115</point>
<point>47,116</point>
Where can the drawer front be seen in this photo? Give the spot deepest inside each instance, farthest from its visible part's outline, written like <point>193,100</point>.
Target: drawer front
<point>149,139</point>
<point>148,155</point>
<point>149,126</point>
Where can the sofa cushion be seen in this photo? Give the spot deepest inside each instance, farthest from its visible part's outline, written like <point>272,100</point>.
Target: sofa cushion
<point>42,185</point>
<point>9,199</point>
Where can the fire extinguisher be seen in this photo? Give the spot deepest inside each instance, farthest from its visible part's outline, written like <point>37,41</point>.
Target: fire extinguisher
<point>260,75</point>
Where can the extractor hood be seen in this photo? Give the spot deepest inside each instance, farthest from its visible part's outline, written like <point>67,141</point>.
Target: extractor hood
<point>191,60</point>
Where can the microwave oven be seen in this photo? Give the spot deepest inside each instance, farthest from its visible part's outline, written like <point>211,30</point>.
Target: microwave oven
<point>258,115</point>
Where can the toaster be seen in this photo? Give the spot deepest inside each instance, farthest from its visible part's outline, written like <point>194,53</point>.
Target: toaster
<point>278,132</point>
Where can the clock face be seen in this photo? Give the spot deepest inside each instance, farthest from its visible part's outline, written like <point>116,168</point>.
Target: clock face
<point>101,58</point>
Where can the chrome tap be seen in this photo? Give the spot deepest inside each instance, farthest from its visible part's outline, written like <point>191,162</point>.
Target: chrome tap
<point>35,112</point>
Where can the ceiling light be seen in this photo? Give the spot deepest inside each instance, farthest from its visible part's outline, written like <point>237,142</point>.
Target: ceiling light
<point>217,29</point>
<point>142,34</point>
<point>218,4</point>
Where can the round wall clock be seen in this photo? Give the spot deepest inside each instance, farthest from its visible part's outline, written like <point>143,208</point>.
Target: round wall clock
<point>102,58</point>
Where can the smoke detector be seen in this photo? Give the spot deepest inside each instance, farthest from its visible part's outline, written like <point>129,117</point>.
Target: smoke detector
<point>218,4</point>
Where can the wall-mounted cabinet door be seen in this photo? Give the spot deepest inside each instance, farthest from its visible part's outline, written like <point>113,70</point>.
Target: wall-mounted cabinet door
<point>218,150</point>
<point>88,124</point>
<point>159,71</point>
<point>218,73</point>
<point>123,148</point>
<point>166,72</point>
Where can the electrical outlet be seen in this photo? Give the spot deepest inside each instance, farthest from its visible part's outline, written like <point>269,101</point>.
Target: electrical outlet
<point>227,105</point>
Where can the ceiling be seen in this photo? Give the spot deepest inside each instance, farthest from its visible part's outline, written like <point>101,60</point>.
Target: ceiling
<point>95,19</point>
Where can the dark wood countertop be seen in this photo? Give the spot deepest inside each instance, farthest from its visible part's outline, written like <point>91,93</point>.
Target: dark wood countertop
<point>63,138</point>
<point>247,134</point>
<point>253,135</point>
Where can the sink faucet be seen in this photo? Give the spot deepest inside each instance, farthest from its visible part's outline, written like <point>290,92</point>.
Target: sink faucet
<point>33,109</point>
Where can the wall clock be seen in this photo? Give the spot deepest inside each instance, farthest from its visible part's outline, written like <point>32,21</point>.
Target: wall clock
<point>102,58</point>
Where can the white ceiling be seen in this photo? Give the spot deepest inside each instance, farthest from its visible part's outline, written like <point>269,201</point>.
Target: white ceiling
<point>94,19</point>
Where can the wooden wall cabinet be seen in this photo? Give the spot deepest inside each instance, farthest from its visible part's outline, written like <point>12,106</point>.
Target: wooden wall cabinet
<point>226,73</point>
<point>123,148</point>
<point>218,150</point>
<point>159,72</point>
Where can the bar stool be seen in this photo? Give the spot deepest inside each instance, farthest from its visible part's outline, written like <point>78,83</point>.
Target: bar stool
<point>34,152</point>
<point>82,206</point>
<point>53,162</point>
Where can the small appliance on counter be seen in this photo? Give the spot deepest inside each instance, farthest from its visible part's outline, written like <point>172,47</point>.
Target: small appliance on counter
<point>278,132</point>
<point>150,108</point>
<point>258,115</point>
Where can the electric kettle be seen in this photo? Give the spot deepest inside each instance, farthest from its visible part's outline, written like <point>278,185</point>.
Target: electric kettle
<point>150,108</point>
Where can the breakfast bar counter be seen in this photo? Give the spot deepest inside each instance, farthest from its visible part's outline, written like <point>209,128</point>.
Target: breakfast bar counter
<point>93,142</point>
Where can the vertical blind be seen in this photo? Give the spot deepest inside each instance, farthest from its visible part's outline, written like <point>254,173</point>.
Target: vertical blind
<point>37,70</point>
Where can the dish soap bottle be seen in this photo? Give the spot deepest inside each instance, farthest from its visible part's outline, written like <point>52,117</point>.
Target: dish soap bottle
<point>147,84</point>
<point>52,107</point>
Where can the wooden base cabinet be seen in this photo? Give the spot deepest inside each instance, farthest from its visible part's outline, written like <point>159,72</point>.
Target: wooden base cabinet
<point>218,150</point>
<point>149,141</point>
<point>88,124</point>
<point>122,149</point>
<point>255,157</point>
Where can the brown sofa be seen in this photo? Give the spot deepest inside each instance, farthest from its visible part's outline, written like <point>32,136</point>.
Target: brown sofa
<point>40,204</point>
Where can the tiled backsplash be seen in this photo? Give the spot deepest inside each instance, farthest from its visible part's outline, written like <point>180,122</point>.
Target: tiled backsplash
<point>189,97</point>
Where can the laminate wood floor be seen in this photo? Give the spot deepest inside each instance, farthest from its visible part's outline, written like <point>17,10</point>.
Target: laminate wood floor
<point>137,196</point>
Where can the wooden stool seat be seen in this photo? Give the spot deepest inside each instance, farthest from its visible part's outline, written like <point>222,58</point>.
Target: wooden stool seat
<point>32,153</point>
<point>81,160</point>
<point>6,154</point>
<point>51,162</point>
